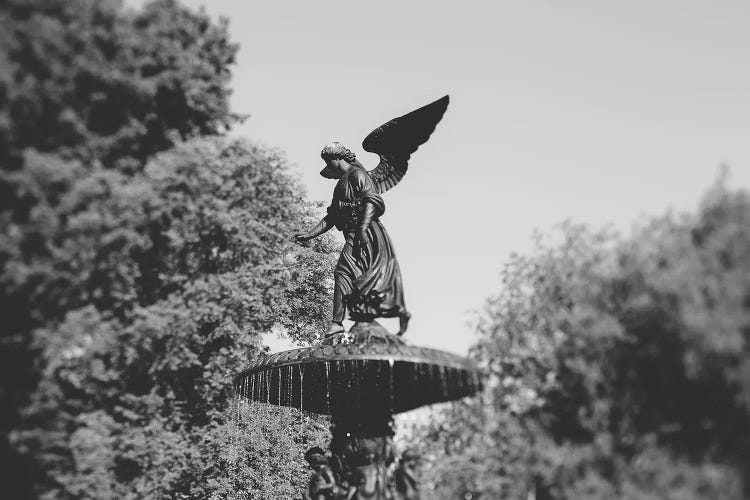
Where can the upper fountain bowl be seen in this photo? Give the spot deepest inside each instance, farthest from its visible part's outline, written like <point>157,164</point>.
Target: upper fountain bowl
<point>364,372</point>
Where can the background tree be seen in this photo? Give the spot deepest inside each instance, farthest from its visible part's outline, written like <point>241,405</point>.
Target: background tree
<point>142,254</point>
<point>91,80</point>
<point>618,367</point>
<point>148,383</point>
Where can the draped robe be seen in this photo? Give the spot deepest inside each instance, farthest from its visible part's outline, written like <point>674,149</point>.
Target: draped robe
<point>369,285</point>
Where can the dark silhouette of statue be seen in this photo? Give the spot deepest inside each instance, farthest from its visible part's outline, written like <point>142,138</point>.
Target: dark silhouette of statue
<point>369,476</point>
<point>367,276</point>
<point>322,484</point>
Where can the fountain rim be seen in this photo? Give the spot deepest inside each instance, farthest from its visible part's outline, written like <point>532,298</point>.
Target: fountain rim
<point>311,355</point>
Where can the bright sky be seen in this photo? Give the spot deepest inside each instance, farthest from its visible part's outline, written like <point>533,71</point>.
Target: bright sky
<point>598,111</point>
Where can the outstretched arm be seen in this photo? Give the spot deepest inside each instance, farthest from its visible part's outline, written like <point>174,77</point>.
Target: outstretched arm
<point>320,228</point>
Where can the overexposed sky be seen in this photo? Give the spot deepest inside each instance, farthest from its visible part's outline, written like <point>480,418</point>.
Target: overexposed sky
<point>599,111</point>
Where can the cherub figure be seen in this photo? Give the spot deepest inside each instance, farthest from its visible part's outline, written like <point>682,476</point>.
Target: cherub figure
<point>322,484</point>
<point>367,277</point>
<point>369,479</point>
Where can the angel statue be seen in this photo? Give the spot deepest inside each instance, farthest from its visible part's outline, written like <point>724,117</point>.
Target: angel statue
<point>367,279</point>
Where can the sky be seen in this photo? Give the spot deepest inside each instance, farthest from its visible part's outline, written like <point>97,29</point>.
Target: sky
<point>597,111</point>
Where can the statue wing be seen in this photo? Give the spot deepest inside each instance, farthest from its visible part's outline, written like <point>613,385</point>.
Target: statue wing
<point>396,140</point>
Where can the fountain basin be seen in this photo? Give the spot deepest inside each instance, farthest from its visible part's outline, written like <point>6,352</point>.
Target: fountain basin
<point>365,373</point>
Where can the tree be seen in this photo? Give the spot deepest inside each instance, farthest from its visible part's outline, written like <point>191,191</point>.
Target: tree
<point>88,79</point>
<point>142,253</point>
<point>193,262</point>
<point>617,366</point>
<point>88,91</point>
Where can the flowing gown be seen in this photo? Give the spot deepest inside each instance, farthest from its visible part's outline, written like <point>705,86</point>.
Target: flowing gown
<point>369,286</point>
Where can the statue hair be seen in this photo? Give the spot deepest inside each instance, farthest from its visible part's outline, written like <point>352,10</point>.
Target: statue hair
<point>337,151</point>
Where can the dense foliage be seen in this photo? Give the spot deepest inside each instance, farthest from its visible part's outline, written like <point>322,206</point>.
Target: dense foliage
<point>145,382</point>
<point>142,253</point>
<point>619,367</point>
<point>87,79</point>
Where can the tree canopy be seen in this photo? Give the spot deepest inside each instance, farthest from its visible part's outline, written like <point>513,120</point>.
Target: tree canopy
<point>143,252</point>
<point>91,80</point>
<point>618,367</point>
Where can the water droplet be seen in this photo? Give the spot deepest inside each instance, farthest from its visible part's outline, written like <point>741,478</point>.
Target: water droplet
<point>442,381</point>
<point>288,401</point>
<point>268,386</point>
<point>328,386</point>
<point>301,389</point>
<point>390,386</point>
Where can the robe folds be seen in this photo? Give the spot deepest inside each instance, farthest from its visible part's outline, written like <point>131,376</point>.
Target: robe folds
<point>369,285</point>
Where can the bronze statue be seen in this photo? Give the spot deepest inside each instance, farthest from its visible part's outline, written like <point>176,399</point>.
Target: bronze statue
<point>369,476</point>
<point>322,484</point>
<point>370,482</point>
<point>367,276</point>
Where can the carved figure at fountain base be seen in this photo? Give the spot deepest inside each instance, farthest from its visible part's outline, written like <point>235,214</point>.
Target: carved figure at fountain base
<point>322,484</point>
<point>364,452</point>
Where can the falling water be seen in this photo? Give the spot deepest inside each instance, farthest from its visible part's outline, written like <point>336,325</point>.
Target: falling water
<point>443,382</point>
<point>357,375</point>
<point>390,384</point>
<point>351,383</point>
<point>328,386</point>
<point>430,378</point>
<point>301,392</point>
<point>278,376</point>
<point>288,398</point>
<point>267,373</point>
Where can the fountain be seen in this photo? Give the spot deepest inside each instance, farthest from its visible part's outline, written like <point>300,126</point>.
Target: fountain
<point>361,378</point>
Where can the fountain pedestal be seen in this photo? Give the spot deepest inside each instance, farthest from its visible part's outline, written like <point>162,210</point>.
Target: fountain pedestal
<point>361,378</point>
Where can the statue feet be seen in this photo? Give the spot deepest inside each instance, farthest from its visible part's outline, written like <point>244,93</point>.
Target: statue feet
<point>403,322</point>
<point>334,329</point>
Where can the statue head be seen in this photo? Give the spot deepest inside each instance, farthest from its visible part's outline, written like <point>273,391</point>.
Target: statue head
<point>316,457</point>
<point>337,151</point>
<point>334,155</point>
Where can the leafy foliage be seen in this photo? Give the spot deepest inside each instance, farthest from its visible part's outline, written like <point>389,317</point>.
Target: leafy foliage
<point>191,263</point>
<point>142,253</point>
<point>617,367</point>
<point>265,450</point>
<point>90,80</point>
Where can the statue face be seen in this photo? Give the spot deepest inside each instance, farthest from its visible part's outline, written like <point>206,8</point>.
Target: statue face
<point>333,169</point>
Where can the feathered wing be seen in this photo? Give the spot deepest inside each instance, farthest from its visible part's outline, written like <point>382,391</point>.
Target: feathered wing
<point>396,140</point>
